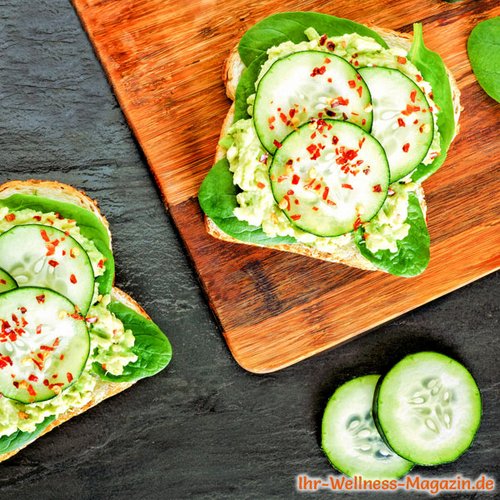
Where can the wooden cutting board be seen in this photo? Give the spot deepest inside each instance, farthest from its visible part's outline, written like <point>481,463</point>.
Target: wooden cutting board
<point>164,60</point>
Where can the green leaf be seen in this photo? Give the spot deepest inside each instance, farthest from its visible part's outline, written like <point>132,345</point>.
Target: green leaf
<point>434,71</point>
<point>152,347</point>
<point>483,47</point>
<point>246,87</point>
<point>19,438</point>
<point>290,26</point>
<point>90,227</point>
<point>413,252</point>
<point>217,199</point>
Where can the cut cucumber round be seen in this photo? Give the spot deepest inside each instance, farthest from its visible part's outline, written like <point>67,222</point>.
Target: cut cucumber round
<point>44,344</point>
<point>329,177</point>
<point>7,282</point>
<point>307,85</point>
<point>428,408</point>
<point>43,256</point>
<point>402,120</point>
<point>349,437</point>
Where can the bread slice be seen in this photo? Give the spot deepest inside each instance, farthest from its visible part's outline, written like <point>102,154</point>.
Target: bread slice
<point>232,71</point>
<point>65,193</point>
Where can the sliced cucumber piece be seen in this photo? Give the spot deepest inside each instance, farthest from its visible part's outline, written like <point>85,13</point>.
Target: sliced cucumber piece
<point>402,119</point>
<point>307,85</point>
<point>329,177</point>
<point>44,344</point>
<point>37,255</point>
<point>428,408</point>
<point>349,437</point>
<point>7,282</point>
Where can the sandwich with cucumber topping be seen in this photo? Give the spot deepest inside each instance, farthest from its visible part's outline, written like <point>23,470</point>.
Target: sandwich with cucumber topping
<point>333,129</point>
<point>68,338</point>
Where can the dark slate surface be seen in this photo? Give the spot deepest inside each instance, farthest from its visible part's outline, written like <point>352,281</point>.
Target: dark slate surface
<point>204,428</point>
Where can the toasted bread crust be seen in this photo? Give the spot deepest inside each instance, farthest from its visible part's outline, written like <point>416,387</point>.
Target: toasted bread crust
<point>103,389</point>
<point>231,74</point>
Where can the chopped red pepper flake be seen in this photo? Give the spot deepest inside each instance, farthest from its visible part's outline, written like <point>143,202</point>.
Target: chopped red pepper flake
<point>363,121</point>
<point>46,348</point>
<point>295,179</point>
<point>318,71</point>
<point>401,122</point>
<point>413,95</point>
<point>357,223</point>
<point>359,90</point>
<point>277,143</point>
<point>53,263</point>
<point>406,147</point>
<point>10,217</point>
<point>335,140</point>
<point>322,40</point>
<point>325,192</point>
<point>377,188</point>
<point>39,329</point>
<point>347,186</point>
<point>2,281</point>
<point>352,84</point>
<point>401,60</point>
<point>44,235</point>
<point>360,144</point>
<point>69,376</point>
<point>73,279</point>
<point>330,46</point>
<point>40,299</point>
<point>327,60</point>
<point>419,78</point>
<point>295,217</point>
<point>33,378</point>
<point>31,391</point>
<point>329,81</point>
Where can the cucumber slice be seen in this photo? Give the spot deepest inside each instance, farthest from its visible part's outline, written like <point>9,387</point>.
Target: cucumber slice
<point>329,177</point>
<point>349,437</point>
<point>43,256</point>
<point>306,85</point>
<point>428,408</point>
<point>7,282</point>
<point>44,344</point>
<point>402,120</point>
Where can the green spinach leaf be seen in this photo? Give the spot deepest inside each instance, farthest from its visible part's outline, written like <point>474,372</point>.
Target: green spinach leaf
<point>19,438</point>
<point>246,87</point>
<point>290,26</point>
<point>151,346</point>
<point>434,71</point>
<point>413,252</point>
<point>217,199</point>
<point>90,227</point>
<point>483,47</point>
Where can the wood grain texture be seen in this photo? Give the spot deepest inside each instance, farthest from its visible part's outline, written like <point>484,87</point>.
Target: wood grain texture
<point>164,60</point>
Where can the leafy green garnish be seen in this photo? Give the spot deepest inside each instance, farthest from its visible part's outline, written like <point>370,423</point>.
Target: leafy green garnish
<point>217,199</point>
<point>19,439</point>
<point>434,71</point>
<point>90,227</point>
<point>413,252</point>
<point>483,47</point>
<point>152,347</point>
<point>290,26</point>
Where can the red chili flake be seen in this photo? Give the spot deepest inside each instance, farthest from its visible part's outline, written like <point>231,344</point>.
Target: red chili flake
<point>2,281</point>
<point>325,192</point>
<point>290,192</point>
<point>296,202</point>
<point>40,299</point>
<point>317,187</point>
<point>10,217</point>
<point>283,118</point>
<point>315,209</point>
<point>73,279</point>
<point>295,179</point>
<point>53,263</point>
<point>359,90</point>
<point>295,217</point>
<point>44,235</point>
<point>360,144</point>
<point>339,101</point>
<point>357,223</point>
<point>327,60</point>
<point>61,357</point>
<point>377,188</point>
<point>356,63</point>
<point>260,185</point>
<point>318,71</point>
<point>330,46</point>
<point>413,95</point>
<point>69,377</point>
<point>55,376</point>
<point>15,384</point>
<point>347,186</point>
<point>31,391</point>
<point>335,140</point>
<point>419,78</point>
<point>322,40</point>
<point>352,84</point>
<point>33,378</point>
<point>100,264</point>
<point>401,122</point>
<point>410,109</point>
<point>406,147</point>
<point>363,122</point>
<point>46,348</point>
<point>37,217</point>
<point>329,81</point>
<point>277,143</point>
<point>281,178</point>
<point>330,202</point>
<point>46,382</point>
<point>401,60</point>
<point>39,329</point>
<point>292,112</point>
<point>415,122</point>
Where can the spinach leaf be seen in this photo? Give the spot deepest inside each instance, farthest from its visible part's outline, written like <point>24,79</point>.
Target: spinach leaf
<point>19,438</point>
<point>90,227</point>
<point>413,252</point>
<point>246,87</point>
<point>434,71</point>
<point>290,26</point>
<point>483,47</point>
<point>151,346</point>
<point>217,199</point>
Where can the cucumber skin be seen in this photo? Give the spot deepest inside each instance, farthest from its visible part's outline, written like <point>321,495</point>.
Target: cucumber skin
<point>380,429</point>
